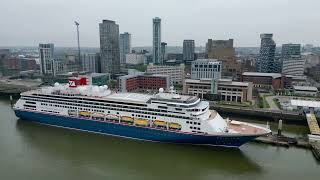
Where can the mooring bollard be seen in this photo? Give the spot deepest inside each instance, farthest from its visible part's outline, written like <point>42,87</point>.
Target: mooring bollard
<point>279,127</point>
<point>11,100</point>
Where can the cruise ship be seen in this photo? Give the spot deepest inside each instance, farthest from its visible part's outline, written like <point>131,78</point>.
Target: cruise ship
<point>162,117</point>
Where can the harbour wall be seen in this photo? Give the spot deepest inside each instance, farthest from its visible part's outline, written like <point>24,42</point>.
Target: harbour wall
<point>263,114</point>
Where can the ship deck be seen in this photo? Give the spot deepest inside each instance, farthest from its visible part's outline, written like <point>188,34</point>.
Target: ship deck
<point>246,129</point>
<point>242,127</point>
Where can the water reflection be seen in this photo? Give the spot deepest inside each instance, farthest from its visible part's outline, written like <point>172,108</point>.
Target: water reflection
<point>105,154</point>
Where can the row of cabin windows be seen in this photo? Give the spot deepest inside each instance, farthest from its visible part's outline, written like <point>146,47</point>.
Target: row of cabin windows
<point>26,105</point>
<point>196,123</point>
<point>43,110</point>
<point>129,110</point>
<point>70,107</point>
<point>197,132</point>
<point>192,127</point>
<point>101,102</point>
<point>86,105</point>
<point>30,102</point>
<point>143,116</point>
<point>88,101</point>
<point>196,110</point>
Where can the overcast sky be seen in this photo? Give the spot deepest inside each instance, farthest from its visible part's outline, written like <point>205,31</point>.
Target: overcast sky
<point>29,22</point>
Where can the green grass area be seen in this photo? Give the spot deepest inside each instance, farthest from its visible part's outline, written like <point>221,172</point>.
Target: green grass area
<point>263,102</point>
<point>227,103</point>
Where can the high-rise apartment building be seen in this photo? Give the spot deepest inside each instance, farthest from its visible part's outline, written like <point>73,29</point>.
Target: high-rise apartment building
<point>265,61</point>
<point>109,47</point>
<point>288,50</point>
<point>46,58</point>
<point>292,61</point>
<point>225,52</point>
<point>156,44</point>
<point>89,62</point>
<point>188,50</point>
<point>4,54</point>
<point>125,46</point>
<point>163,52</point>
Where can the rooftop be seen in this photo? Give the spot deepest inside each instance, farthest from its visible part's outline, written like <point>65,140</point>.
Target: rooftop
<point>144,75</point>
<point>98,74</point>
<point>234,83</point>
<point>198,80</point>
<point>273,75</point>
<point>305,88</point>
<point>305,103</point>
<point>207,60</point>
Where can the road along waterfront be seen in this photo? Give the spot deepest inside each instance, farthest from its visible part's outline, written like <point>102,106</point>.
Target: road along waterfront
<point>34,151</point>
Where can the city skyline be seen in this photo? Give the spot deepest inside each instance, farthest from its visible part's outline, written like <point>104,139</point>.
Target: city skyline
<point>239,21</point>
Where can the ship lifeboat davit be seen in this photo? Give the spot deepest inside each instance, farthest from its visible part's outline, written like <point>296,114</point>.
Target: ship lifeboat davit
<point>160,123</point>
<point>141,122</point>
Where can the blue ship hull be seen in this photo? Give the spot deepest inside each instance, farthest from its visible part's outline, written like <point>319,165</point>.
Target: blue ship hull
<point>134,132</point>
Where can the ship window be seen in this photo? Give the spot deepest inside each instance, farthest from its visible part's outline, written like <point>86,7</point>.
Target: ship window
<point>117,112</point>
<point>163,107</point>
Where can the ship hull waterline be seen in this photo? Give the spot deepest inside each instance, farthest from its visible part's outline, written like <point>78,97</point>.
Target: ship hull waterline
<point>134,132</point>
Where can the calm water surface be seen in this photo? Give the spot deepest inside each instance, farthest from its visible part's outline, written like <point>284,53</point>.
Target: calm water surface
<point>37,152</point>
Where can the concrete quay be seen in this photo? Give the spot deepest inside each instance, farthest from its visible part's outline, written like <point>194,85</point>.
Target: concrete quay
<point>15,87</point>
<point>263,114</point>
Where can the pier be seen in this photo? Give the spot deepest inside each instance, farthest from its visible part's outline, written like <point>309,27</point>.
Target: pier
<point>312,142</point>
<point>313,124</point>
<point>314,137</point>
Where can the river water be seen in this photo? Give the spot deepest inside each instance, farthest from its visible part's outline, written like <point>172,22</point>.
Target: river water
<point>38,152</point>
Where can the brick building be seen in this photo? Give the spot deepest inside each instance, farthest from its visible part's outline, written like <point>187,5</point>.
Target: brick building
<point>13,66</point>
<point>135,83</point>
<point>267,80</point>
<point>225,52</point>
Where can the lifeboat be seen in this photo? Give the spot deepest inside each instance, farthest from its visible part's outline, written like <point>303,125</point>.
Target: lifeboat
<point>160,123</point>
<point>127,118</point>
<point>84,113</point>
<point>141,122</point>
<point>174,126</point>
<point>112,117</point>
<point>99,115</point>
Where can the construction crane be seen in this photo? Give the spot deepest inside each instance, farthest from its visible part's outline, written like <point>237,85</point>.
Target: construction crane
<point>79,54</point>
